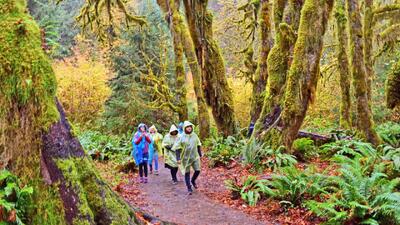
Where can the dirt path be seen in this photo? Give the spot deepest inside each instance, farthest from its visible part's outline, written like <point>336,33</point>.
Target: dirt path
<point>171,203</point>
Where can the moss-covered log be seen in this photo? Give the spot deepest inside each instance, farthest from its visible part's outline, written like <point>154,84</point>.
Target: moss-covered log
<point>35,138</point>
<point>343,63</point>
<point>286,22</point>
<point>364,122</point>
<point>304,72</point>
<point>189,50</point>
<point>261,75</point>
<point>216,89</point>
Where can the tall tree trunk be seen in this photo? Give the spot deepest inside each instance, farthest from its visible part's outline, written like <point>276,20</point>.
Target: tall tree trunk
<point>343,63</point>
<point>286,22</point>
<point>364,116</point>
<point>368,35</point>
<point>261,76</point>
<point>175,28</point>
<point>35,139</point>
<point>182,31</point>
<point>217,92</point>
<point>304,72</point>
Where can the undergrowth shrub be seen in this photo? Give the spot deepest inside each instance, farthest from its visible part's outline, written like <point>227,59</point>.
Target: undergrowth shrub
<point>361,196</point>
<point>261,156</point>
<point>390,133</point>
<point>251,191</point>
<point>14,199</point>
<point>105,147</point>
<point>304,148</point>
<point>223,150</point>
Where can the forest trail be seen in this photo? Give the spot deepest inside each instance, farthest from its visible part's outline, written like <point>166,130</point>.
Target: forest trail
<point>172,203</point>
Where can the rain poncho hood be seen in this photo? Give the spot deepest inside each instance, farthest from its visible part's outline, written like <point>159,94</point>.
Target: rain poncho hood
<point>168,142</point>
<point>188,144</point>
<point>187,124</point>
<point>140,145</point>
<point>155,146</point>
<point>173,128</point>
<point>153,128</point>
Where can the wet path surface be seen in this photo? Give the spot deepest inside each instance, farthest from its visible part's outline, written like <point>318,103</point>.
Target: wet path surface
<point>172,203</point>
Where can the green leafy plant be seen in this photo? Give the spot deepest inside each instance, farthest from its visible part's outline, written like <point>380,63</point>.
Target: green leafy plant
<point>360,196</point>
<point>259,156</point>
<point>14,199</point>
<point>304,148</point>
<point>253,152</point>
<point>275,158</point>
<point>251,191</point>
<point>390,133</point>
<point>292,186</point>
<point>223,150</point>
<point>104,147</point>
<point>348,147</point>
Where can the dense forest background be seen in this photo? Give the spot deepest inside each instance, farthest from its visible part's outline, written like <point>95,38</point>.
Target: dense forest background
<point>296,102</point>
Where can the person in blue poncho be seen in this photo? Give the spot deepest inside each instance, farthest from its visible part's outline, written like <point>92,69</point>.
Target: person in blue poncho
<point>180,128</point>
<point>141,145</point>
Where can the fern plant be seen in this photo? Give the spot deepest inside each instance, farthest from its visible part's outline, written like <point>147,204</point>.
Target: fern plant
<point>14,199</point>
<point>292,186</point>
<point>390,133</point>
<point>223,150</point>
<point>251,191</point>
<point>361,196</point>
<point>275,158</point>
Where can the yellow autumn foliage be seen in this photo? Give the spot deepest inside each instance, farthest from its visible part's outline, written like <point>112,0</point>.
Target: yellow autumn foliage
<point>82,88</point>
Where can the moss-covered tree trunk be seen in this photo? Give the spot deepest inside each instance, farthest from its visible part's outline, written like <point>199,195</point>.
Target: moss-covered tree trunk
<point>365,123</point>
<point>392,90</point>
<point>304,72</point>
<point>181,91</point>
<point>286,22</point>
<point>261,75</point>
<point>368,36</point>
<point>35,138</point>
<point>217,92</point>
<point>188,48</point>
<point>343,63</point>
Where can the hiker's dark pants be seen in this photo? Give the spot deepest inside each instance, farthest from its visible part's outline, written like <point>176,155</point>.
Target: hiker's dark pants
<point>143,168</point>
<point>187,179</point>
<point>174,171</point>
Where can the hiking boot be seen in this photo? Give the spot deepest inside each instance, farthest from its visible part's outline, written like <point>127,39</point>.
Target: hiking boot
<point>156,172</point>
<point>174,182</point>
<point>190,191</point>
<point>145,180</point>
<point>141,180</point>
<point>194,185</point>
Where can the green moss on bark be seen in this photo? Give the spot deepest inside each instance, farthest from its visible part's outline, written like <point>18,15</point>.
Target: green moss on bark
<point>343,63</point>
<point>304,71</point>
<point>393,87</point>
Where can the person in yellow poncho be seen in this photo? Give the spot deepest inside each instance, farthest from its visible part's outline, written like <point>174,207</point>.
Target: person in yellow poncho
<point>188,151</point>
<point>169,154</point>
<point>155,149</point>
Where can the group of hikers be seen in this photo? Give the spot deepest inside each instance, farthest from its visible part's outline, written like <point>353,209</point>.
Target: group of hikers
<point>181,149</point>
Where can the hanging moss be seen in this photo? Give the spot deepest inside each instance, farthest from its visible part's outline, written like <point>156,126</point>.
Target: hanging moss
<point>393,87</point>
